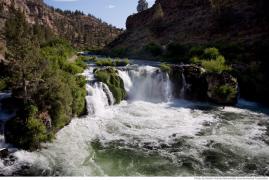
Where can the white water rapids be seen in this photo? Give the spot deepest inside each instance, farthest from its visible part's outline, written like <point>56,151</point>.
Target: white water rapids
<point>151,134</point>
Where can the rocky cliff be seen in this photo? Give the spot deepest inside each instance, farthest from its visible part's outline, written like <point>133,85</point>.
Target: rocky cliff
<point>83,31</point>
<point>196,22</point>
<point>239,28</point>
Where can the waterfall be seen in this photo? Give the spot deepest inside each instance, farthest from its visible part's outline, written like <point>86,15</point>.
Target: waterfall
<point>146,83</point>
<point>98,94</point>
<point>5,115</point>
<point>126,80</point>
<point>98,98</point>
<point>184,86</point>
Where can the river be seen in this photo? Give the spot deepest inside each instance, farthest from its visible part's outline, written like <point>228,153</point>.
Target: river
<point>152,134</point>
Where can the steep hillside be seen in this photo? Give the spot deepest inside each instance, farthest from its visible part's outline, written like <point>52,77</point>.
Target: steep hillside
<point>196,22</point>
<point>83,31</point>
<point>239,28</point>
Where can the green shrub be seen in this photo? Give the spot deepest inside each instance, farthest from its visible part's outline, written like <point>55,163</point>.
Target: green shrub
<point>165,67</point>
<point>72,68</point>
<point>120,52</point>
<point>104,62</point>
<point>154,49</point>
<point>121,63</point>
<point>212,61</point>
<point>110,62</point>
<point>111,78</point>
<point>196,51</point>
<point>196,60</point>
<point>226,91</point>
<point>216,66</point>
<point>211,53</point>
<point>54,87</point>
<point>92,58</point>
<point>28,132</point>
<point>3,85</point>
<point>78,93</point>
<point>176,52</point>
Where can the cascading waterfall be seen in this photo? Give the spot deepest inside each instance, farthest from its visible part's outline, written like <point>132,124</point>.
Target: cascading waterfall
<point>184,86</point>
<point>98,95</point>
<point>147,83</point>
<point>151,134</point>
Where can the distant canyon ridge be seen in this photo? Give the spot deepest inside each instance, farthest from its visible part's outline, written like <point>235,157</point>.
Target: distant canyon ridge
<point>83,31</point>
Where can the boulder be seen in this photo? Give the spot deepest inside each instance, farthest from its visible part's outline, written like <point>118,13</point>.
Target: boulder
<point>4,153</point>
<point>222,88</point>
<point>190,76</point>
<point>110,77</point>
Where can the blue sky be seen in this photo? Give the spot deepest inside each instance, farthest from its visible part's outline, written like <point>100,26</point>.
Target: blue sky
<point>114,12</point>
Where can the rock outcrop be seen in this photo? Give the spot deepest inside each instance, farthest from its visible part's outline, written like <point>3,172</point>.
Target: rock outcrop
<point>222,88</point>
<point>193,82</point>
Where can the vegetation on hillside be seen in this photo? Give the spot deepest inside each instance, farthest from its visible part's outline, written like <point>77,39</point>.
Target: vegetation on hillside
<point>43,82</point>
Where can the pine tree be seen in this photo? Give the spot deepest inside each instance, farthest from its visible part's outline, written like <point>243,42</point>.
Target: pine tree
<point>23,54</point>
<point>142,5</point>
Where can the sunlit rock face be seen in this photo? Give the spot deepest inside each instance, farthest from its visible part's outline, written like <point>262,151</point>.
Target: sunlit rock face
<point>81,30</point>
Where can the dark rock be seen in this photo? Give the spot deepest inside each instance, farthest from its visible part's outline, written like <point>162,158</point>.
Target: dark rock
<point>4,153</point>
<point>222,88</point>
<point>196,85</point>
<point>201,85</point>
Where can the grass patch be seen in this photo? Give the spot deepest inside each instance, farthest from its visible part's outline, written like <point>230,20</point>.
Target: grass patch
<point>165,67</point>
<point>110,62</point>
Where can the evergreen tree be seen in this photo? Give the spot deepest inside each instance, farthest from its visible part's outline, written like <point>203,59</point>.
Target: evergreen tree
<point>25,65</point>
<point>142,5</point>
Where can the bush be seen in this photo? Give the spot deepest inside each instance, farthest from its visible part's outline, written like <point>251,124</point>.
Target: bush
<point>72,68</point>
<point>120,52</point>
<point>104,62</point>
<point>165,68</point>
<point>226,91</point>
<point>121,63</point>
<point>177,52</point>
<point>27,132</point>
<point>211,53</point>
<point>113,81</point>
<point>196,51</point>
<point>110,62</point>
<point>92,58</point>
<point>54,87</point>
<point>154,49</point>
<point>216,66</point>
<point>78,93</point>
<point>212,61</point>
<point>3,85</point>
<point>81,62</point>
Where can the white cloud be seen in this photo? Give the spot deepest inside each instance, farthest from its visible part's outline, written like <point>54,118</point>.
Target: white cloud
<point>111,6</point>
